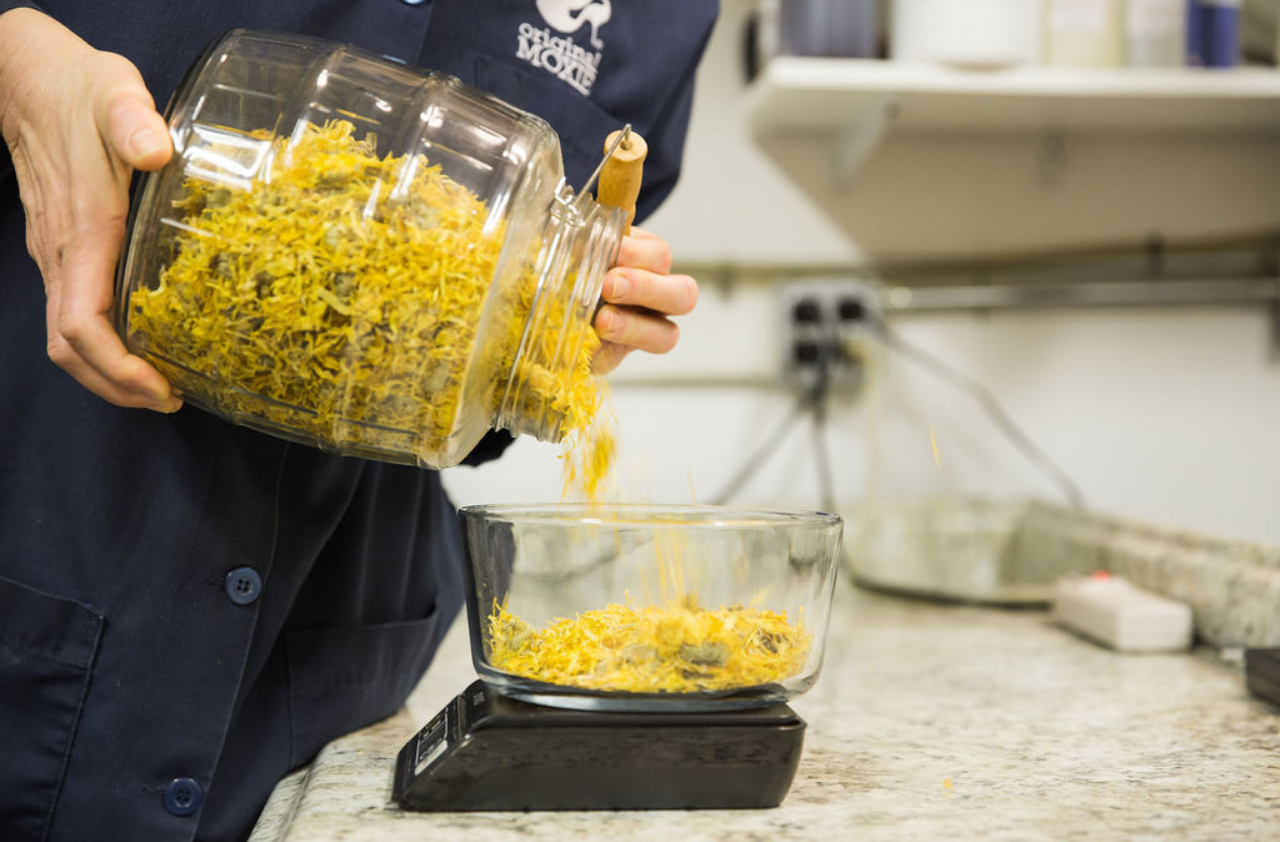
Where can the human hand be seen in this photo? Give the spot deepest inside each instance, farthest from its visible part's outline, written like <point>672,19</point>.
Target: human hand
<point>639,293</point>
<point>77,121</point>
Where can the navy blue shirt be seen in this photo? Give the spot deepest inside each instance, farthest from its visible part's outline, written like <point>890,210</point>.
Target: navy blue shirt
<point>189,609</point>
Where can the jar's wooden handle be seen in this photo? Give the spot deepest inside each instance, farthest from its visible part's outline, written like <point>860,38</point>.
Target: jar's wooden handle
<point>622,173</point>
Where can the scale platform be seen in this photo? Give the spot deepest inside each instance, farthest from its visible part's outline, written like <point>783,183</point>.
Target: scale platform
<point>487,751</point>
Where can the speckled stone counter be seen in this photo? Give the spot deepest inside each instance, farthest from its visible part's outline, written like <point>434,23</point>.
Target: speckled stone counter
<point>929,722</point>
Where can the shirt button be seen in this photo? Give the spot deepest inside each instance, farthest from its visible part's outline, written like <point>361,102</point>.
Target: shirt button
<point>243,585</point>
<point>183,797</point>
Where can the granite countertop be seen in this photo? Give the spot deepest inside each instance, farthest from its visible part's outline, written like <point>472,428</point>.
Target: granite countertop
<point>928,722</point>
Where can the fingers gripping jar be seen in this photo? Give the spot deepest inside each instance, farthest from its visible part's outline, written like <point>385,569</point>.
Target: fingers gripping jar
<point>364,256</point>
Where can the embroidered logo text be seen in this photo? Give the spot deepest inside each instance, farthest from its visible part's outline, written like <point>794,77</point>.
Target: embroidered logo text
<point>561,55</point>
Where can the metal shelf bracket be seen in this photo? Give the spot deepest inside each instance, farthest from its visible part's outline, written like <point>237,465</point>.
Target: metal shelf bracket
<point>860,135</point>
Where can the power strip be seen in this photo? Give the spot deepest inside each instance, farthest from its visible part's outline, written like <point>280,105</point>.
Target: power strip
<point>1115,613</point>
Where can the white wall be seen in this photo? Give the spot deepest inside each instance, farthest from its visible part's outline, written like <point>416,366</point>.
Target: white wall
<point>1169,416</point>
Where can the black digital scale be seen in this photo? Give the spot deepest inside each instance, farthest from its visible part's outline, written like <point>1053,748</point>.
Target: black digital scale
<point>487,751</point>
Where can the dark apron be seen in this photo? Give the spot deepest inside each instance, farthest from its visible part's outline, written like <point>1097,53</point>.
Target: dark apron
<point>189,609</point>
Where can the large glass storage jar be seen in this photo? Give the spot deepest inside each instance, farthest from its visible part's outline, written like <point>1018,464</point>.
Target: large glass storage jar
<point>365,256</point>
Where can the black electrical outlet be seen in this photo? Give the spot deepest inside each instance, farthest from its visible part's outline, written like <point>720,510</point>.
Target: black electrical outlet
<point>852,310</point>
<point>826,324</point>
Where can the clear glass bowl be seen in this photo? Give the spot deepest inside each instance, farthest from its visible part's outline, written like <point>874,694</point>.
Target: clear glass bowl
<point>644,607</point>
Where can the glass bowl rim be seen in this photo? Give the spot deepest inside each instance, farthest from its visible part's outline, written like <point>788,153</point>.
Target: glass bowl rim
<point>639,515</point>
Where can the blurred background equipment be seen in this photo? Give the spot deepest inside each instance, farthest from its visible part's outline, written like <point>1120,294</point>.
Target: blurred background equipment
<point>988,34</point>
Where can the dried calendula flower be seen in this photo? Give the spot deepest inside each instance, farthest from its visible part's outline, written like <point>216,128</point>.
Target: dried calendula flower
<point>676,648</point>
<point>341,300</point>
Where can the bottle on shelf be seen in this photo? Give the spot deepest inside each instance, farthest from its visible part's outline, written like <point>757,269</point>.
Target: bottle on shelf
<point>1155,33</point>
<point>1213,33</point>
<point>1085,33</point>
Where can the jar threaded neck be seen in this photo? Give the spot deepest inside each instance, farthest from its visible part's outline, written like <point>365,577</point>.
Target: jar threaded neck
<point>550,391</point>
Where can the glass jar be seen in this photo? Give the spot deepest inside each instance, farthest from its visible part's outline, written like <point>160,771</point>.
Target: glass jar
<point>364,256</point>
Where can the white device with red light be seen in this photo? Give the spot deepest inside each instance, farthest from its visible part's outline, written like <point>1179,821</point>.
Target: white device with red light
<point>1112,611</point>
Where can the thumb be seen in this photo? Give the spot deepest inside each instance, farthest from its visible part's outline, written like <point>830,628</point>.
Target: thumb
<point>128,122</point>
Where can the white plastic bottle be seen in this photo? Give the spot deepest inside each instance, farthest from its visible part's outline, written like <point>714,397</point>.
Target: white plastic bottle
<point>1156,33</point>
<point>1085,33</point>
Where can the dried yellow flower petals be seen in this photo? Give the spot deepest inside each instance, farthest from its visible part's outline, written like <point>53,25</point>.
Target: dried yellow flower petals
<point>676,648</point>
<point>339,302</point>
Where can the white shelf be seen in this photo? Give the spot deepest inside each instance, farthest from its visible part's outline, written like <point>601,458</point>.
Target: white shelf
<point>797,96</point>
